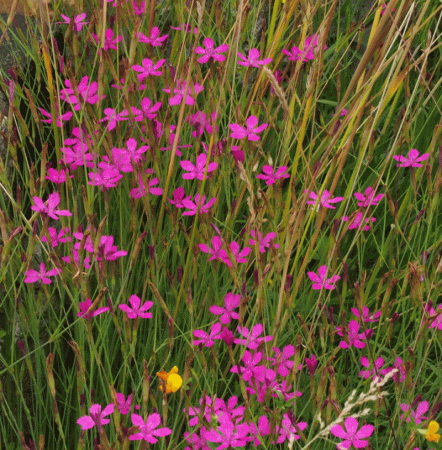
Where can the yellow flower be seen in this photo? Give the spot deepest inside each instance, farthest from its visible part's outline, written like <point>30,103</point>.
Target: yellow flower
<point>173,380</point>
<point>431,432</point>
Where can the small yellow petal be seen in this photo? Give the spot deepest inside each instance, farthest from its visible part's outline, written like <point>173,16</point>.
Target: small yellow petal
<point>174,382</point>
<point>431,435</point>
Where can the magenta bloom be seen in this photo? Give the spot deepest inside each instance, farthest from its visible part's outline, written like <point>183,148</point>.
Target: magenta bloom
<point>207,339</point>
<point>377,366</point>
<point>310,46</point>
<point>52,203</point>
<point>324,201</point>
<point>319,281</point>
<point>366,317</point>
<point>228,433</point>
<point>123,405</point>
<point>154,38</point>
<point>148,68</point>
<point>368,199</point>
<point>96,417</point>
<point>250,131</point>
<point>136,311</point>
<point>271,176</point>
<point>251,339</point>
<point>180,91</point>
<point>232,302</point>
<point>263,242</point>
<point>109,41</point>
<point>352,436</point>
<point>197,171</point>
<point>217,252</point>
<point>252,59</point>
<point>64,117</point>
<point>58,177</point>
<point>84,306</point>
<point>178,197</point>
<point>147,430</point>
<point>412,159</point>
<point>283,363</point>
<point>418,416</point>
<point>288,430</point>
<point>210,52</point>
<point>357,222</point>
<point>77,21</point>
<point>88,93</point>
<point>312,364</point>
<point>193,206</point>
<point>353,336</point>
<point>33,276</point>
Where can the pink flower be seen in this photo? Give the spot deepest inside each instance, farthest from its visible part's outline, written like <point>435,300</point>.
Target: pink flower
<point>148,68</point>
<point>368,199</point>
<point>412,159</point>
<point>263,242</point>
<point>123,405</point>
<point>324,201</point>
<point>250,131</point>
<point>207,339</point>
<point>271,176</point>
<point>352,436</point>
<point>64,117</point>
<point>109,41</point>
<point>437,323</point>
<point>107,177</point>
<point>319,281</point>
<point>282,362</point>
<point>418,416</point>
<point>252,59</point>
<point>87,93</point>
<point>240,256</point>
<point>136,311</point>
<point>310,47</point>
<point>217,252</point>
<point>77,21</point>
<point>377,365</point>
<point>154,38</point>
<point>197,171</point>
<point>33,276</point>
<point>366,317</point>
<point>201,123</point>
<point>251,339</point>
<point>186,27</point>
<point>312,364</point>
<point>96,417</point>
<point>84,306</point>
<point>56,238</point>
<point>112,117</point>
<point>250,368</point>
<point>52,203</point>
<point>210,52</point>
<point>193,206</point>
<point>232,302</point>
<point>229,434</point>
<point>178,197</point>
<point>57,177</point>
<point>181,92</point>
<point>353,336</point>
<point>78,155</point>
<point>357,221</point>
<point>287,430</point>
<point>140,190</point>
<point>147,430</point>
<point>150,111</point>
